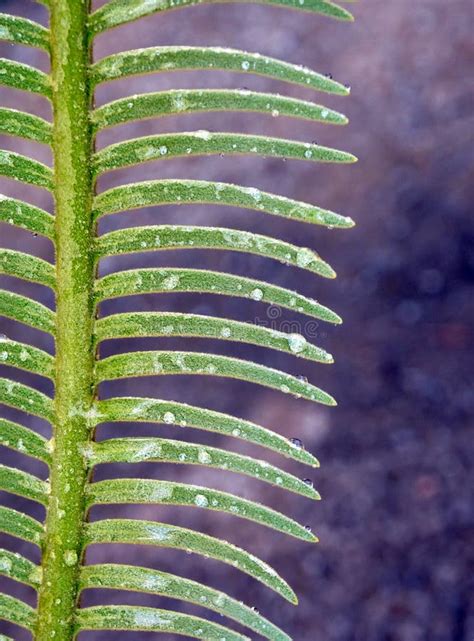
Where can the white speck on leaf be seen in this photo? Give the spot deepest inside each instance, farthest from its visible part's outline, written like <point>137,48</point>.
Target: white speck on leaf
<point>201,501</point>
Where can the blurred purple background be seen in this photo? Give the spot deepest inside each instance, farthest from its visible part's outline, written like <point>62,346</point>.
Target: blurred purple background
<point>396,557</point>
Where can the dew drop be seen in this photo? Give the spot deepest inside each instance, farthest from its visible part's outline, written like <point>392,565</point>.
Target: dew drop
<point>297,442</point>
<point>256,294</point>
<point>304,257</point>
<point>169,418</point>
<point>201,501</point>
<point>296,343</point>
<point>5,565</point>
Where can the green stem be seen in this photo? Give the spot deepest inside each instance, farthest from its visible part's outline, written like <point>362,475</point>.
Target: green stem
<point>72,147</point>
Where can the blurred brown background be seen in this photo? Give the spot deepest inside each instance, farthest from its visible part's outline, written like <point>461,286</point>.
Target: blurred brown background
<point>395,561</point>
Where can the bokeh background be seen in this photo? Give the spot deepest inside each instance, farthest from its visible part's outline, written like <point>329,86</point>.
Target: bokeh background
<point>396,557</point>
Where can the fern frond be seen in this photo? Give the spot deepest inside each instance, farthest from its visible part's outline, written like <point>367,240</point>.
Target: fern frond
<point>79,323</point>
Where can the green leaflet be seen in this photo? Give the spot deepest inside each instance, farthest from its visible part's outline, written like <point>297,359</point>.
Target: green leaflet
<point>26,357</point>
<point>155,59</point>
<point>23,32</point>
<point>168,324</point>
<point>25,169</point>
<point>138,579</point>
<point>26,399</point>
<point>160,237</point>
<point>17,612</point>
<point>158,450</point>
<point>170,536</point>
<point>26,310</point>
<point>17,567</point>
<point>201,143</point>
<point>149,281</point>
<point>20,525</point>
<point>120,12</point>
<point>27,267</point>
<point>20,76</point>
<point>126,617</point>
<point>23,484</point>
<point>36,220</point>
<point>157,411</point>
<point>182,101</point>
<point>25,125</point>
<point>158,363</point>
<point>20,438</point>
<point>182,192</point>
<point>167,493</point>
